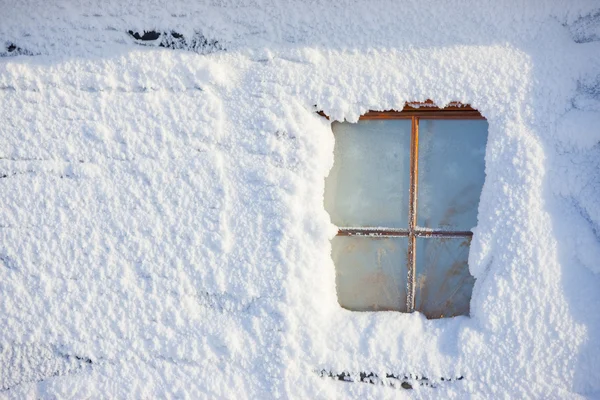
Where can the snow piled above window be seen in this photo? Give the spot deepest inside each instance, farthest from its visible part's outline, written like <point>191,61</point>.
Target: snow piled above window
<point>162,227</point>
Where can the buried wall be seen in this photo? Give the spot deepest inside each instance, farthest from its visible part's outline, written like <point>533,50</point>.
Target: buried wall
<point>162,228</point>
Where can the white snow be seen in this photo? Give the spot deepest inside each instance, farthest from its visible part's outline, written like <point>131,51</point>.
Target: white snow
<point>162,221</point>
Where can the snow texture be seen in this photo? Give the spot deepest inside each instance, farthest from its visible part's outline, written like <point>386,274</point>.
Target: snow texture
<point>162,227</point>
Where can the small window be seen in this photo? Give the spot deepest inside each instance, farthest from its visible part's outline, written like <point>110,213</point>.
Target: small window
<point>404,191</point>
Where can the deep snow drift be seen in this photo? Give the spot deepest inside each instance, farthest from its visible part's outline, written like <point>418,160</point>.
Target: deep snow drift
<point>162,225</point>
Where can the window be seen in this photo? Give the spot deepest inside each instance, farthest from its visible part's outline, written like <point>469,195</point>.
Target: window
<point>404,190</point>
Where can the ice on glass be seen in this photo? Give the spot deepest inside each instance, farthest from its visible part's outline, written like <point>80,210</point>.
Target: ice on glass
<point>443,282</point>
<point>370,272</point>
<point>368,184</point>
<point>451,172</point>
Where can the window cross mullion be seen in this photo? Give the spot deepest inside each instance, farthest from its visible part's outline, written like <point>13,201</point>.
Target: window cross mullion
<point>369,250</point>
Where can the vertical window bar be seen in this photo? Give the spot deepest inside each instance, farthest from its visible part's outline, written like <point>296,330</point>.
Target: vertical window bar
<point>412,215</point>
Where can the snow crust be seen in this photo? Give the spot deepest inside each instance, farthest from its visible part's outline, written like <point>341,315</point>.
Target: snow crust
<point>162,227</point>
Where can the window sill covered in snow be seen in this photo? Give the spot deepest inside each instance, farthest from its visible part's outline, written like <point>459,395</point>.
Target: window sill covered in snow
<point>162,228</point>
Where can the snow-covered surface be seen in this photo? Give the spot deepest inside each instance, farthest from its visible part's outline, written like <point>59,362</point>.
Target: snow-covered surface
<point>162,227</point>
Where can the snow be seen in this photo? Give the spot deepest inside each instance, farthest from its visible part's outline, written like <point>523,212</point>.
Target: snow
<point>162,221</point>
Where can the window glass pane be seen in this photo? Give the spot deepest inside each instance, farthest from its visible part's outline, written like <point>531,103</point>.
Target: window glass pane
<point>443,282</point>
<point>370,273</point>
<point>368,184</point>
<point>451,172</point>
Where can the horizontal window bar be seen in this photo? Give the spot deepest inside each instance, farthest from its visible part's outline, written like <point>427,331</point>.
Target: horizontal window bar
<point>388,232</point>
<point>420,232</point>
<point>395,232</point>
<point>425,110</point>
<point>422,113</point>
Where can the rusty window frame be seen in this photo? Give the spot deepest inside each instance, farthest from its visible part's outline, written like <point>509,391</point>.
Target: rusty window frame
<point>415,111</point>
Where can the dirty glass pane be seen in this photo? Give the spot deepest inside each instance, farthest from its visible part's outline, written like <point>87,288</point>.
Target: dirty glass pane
<point>370,273</point>
<point>451,172</point>
<point>443,281</point>
<point>368,184</point>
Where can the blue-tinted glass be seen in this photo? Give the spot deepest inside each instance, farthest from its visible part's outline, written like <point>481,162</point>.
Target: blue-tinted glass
<point>443,282</point>
<point>370,273</point>
<point>451,172</point>
<point>368,184</point>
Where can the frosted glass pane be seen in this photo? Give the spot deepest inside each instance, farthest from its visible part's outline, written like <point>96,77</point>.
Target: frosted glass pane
<point>444,284</point>
<point>370,273</point>
<point>451,172</point>
<point>368,184</point>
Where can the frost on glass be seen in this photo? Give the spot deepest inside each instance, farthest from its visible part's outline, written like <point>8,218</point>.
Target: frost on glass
<point>451,172</point>
<point>370,272</point>
<point>443,282</point>
<point>368,184</point>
